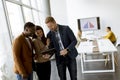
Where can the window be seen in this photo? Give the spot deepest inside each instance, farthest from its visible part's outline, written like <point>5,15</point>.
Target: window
<point>15,18</point>
<point>39,3</point>
<point>42,18</point>
<point>28,14</point>
<point>34,4</point>
<point>27,2</point>
<point>13,15</point>
<point>6,61</point>
<point>36,17</point>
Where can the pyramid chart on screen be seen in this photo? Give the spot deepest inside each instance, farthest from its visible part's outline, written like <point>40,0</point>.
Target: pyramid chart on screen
<point>88,25</point>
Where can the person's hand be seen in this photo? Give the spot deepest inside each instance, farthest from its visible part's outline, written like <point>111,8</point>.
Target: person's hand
<point>36,56</point>
<point>24,76</point>
<point>63,52</point>
<point>47,42</point>
<point>46,56</point>
<point>102,37</point>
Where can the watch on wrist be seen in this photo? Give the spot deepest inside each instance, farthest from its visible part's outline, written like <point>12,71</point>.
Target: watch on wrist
<point>68,50</point>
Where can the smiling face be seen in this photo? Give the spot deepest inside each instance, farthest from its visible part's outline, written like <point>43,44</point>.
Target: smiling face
<point>39,33</point>
<point>29,31</point>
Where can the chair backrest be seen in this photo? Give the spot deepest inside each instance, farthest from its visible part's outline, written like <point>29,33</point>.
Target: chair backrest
<point>118,41</point>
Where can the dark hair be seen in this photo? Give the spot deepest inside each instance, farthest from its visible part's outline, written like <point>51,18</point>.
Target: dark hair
<point>43,38</point>
<point>109,28</point>
<point>29,25</point>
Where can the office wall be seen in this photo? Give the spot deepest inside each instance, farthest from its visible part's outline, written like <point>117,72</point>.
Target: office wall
<point>45,11</point>
<point>107,10</point>
<point>59,11</point>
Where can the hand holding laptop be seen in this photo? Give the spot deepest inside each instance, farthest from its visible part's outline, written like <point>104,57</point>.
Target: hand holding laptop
<point>46,56</point>
<point>48,53</point>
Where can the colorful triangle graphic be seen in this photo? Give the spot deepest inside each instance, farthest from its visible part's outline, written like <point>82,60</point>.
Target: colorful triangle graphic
<point>91,25</point>
<point>86,25</point>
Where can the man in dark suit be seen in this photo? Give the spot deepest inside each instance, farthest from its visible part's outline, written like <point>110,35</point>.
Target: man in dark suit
<point>22,53</point>
<point>63,40</point>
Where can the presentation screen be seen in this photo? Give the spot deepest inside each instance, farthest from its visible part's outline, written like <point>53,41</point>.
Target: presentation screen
<point>89,24</point>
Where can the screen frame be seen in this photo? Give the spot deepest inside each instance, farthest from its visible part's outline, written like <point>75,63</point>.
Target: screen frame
<point>98,23</point>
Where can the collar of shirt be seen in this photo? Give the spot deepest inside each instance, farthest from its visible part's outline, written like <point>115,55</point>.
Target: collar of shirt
<point>29,43</point>
<point>57,30</point>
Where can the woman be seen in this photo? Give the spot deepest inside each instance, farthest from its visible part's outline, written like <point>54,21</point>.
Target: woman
<point>42,62</point>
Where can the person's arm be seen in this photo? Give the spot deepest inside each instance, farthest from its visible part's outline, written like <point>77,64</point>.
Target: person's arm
<point>108,36</point>
<point>72,38</point>
<point>37,48</point>
<point>49,36</point>
<point>47,42</point>
<point>72,44</point>
<point>17,59</point>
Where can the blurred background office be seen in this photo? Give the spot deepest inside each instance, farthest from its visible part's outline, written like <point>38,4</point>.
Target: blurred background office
<point>14,13</point>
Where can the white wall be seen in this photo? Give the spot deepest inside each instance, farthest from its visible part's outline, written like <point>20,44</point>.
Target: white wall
<point>71,10</point>
<point>107,10</point>
<point>44,12</point>
<point>59,11</point>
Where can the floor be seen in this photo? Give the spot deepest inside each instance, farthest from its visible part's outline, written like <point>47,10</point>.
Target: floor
<point>91,76</point>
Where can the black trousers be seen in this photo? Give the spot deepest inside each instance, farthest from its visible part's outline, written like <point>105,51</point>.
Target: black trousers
<point>43,70</point>
<point>72,68</point>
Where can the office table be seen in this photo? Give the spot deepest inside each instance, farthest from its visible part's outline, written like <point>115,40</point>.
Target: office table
<point>100,46</point>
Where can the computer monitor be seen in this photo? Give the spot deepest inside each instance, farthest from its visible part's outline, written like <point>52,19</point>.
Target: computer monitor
<point>89,24</point>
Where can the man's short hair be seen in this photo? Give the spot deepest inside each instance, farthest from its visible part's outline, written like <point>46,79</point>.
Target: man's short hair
<point>49,19</point>
<point>29,25</point>
<point>109,28</point>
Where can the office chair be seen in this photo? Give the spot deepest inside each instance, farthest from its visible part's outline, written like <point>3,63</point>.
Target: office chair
<point>115,56</point>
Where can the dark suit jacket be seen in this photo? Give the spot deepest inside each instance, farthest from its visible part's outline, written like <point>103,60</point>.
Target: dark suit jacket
<point>68,39</point>
<point>22,55</point>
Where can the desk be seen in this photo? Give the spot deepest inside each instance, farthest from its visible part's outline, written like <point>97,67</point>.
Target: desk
<point>104,46</point>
